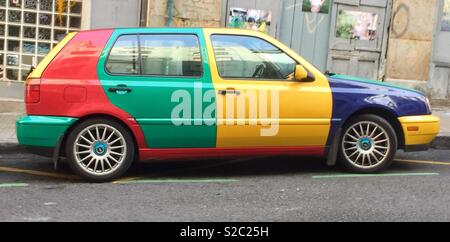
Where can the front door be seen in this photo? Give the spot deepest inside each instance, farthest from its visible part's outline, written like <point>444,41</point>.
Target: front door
<point>258,102</point>
<point>359,37</point>
<point>161,77</point>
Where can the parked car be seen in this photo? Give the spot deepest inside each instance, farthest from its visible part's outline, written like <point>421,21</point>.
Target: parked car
<point>106,98</point>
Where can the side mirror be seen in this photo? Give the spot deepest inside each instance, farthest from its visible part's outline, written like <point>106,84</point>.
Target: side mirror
<point>302,75</point>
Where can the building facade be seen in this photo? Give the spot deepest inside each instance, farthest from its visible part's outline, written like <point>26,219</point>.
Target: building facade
<point>185,13</point>
<point>399,41</point>
<point>29,29</point>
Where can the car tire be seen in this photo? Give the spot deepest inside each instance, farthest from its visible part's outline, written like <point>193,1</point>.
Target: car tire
<point>100,150</point>
<point>368,144</point>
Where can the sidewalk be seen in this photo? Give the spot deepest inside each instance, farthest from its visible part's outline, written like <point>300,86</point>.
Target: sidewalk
<point>8,129</point>
<point>10,110</point>
<point>444,114</point>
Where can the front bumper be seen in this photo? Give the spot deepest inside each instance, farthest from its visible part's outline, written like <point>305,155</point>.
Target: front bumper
<point>419,131</point>
<point>42,131</point>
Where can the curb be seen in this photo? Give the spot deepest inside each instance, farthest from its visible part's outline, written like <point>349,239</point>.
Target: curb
<point>441,143</point>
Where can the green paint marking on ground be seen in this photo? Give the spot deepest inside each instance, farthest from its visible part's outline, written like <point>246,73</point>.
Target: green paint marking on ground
<point>12,185</point>
<point>374,175</point>
<point>161,181</point>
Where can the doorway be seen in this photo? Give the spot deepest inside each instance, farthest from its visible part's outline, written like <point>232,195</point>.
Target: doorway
<point>358,37</point>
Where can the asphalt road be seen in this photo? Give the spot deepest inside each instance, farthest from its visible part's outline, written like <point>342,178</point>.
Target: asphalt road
<point>269,189</point>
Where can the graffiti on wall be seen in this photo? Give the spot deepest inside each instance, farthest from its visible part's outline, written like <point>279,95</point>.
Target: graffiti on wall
<point>251,19</point>
<point>313,22</point>
<point>314,12</point>
<point>399,28</point>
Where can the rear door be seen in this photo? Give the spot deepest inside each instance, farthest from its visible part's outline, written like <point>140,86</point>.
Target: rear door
<point>161,77</point>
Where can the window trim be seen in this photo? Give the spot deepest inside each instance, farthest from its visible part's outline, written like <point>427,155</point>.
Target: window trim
<point>252,78</point>
<point>138,35</point>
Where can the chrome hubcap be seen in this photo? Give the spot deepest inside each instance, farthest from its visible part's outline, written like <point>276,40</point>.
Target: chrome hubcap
<point>100,149</point>
<point>366,145</point>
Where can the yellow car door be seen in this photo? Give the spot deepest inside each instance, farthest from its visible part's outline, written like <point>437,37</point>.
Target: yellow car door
<point>259,103</point>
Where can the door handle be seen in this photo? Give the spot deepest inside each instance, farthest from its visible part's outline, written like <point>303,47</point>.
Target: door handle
<point>230,91</point>
<point>120,89</point>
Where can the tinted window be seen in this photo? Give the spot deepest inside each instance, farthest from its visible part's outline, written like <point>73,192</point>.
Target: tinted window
<point>171,55</point>
<point>251,57</point>
<point>124,56</point>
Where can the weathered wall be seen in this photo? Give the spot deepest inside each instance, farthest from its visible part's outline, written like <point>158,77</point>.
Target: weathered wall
<point>113,13</point>
<point>187,13</point>
<point>410,39</point>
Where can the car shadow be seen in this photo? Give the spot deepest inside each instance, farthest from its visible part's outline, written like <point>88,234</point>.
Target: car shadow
<point>267,166</point>
<point>206,168</point>
<point>192,168</point>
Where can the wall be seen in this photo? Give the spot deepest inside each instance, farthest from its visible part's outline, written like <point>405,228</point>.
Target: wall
<point>439,83</point>
<point>111,13</point>
<point>187,13</point>
<point>306,33</point>
<point>410,40</point>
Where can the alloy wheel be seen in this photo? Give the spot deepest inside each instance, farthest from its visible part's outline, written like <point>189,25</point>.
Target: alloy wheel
<point>100,149</point>
<point>366,145</point>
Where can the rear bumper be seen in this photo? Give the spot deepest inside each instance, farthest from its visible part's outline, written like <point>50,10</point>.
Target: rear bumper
<point>42,132</point>
<point>419,131</point>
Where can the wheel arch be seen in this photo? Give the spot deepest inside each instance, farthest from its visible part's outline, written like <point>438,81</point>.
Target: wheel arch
<point>61,150</point>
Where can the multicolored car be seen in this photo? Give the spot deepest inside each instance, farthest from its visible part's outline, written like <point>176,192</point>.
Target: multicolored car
<point>106,98</point>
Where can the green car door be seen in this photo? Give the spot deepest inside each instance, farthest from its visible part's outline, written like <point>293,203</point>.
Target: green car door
<point>161,77</point>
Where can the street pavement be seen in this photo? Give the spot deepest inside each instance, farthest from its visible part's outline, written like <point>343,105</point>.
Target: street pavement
<point>7,127</point>
<point>416,188</point>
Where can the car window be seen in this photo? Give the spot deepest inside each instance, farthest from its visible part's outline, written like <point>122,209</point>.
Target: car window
<point>171,55</point>
<point>250,57</point>
<point>124,56</point>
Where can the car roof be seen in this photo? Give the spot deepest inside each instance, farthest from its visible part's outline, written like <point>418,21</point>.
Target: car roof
<point>215,30</point>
